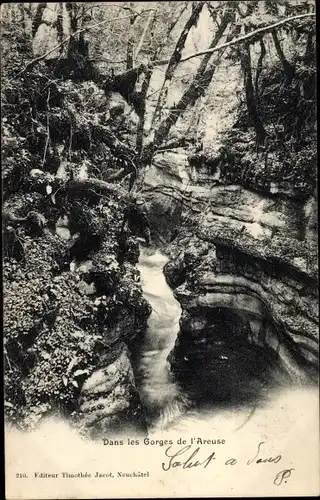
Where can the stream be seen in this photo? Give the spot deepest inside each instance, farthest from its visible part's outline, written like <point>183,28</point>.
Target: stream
<point>161,396</point>
<point>168,408</point>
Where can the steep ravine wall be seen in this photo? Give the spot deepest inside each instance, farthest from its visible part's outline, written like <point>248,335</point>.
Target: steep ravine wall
<point>244,269</point>
<point>109,401</point>
<point>73,306</point>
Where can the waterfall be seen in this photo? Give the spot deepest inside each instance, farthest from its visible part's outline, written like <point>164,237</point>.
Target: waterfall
<point>168,409</point>
<point>161,396</point>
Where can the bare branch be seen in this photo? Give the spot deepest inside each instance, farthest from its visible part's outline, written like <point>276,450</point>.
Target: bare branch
<point>241,39</point>
<point>130,9</point>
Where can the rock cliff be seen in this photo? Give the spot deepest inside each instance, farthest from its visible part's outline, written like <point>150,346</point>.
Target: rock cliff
<point>244,269</point>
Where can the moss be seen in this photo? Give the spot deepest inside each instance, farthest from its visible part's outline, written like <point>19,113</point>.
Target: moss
<point>53,328</point>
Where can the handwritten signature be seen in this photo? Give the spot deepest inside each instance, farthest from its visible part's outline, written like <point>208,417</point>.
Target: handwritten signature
<point>263,460</point>
<point>186,458</point>
<point>281,476</point>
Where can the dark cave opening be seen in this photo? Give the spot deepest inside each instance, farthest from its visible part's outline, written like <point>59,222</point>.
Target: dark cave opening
<point>220,363</point>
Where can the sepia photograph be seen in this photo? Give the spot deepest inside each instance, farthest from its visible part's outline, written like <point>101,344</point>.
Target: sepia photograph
<point>160,249</point>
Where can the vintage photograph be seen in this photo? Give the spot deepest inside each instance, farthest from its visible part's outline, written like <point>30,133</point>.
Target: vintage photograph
<point>160,248</point>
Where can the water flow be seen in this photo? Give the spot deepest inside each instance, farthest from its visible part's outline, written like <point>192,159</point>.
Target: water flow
<point>168,409</point>
<point>161,396</point>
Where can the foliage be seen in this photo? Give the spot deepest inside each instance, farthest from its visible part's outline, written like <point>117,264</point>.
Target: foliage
<point>287,108</point>
<point>57,320</point>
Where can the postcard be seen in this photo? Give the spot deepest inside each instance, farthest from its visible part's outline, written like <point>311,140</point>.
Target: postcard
<point>160,249</point>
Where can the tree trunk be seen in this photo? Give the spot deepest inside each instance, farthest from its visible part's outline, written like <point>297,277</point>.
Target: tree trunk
<point>77,187</point>
<point>130,41</point>
<point>288,68</point>
<point>200,82</point>
<point>26,45</point>
<point>73,46</point>
<point>139,163</point>
<point>60,26</point>
<point>95,186</point>
<point>309,54</point>
<point>37,21</point>
<point>143,96</point>
<point>71,9</point>
<point>145,31</point>
<point>175,58</point>
<point>118,148</point>
<point>259,67</point>
<point>197,88</point>
<point>250,97</point>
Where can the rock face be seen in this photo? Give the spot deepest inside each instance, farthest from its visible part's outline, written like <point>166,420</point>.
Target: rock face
<point>109,400</point>
<point>245,274</point>
<point>73,307</point>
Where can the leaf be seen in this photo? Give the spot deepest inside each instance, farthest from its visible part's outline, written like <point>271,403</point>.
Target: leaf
<point>48,189</point>
<point>78,373</point>
<point>53,198</point>
<point>75,383</point>
<point>72,364</point>
<point>65,380</point>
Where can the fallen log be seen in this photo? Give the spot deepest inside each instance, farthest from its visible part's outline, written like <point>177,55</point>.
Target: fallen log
<point>48,184</point>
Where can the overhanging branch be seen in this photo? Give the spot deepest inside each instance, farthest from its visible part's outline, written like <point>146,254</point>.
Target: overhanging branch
<point>246,37</point>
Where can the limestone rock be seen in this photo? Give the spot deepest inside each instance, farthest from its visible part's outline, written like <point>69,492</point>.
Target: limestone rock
<point>109,399</point>
<point>254,258</point>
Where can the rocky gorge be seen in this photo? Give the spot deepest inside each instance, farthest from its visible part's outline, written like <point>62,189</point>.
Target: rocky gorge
<point>245,274</point>
<point>108,334</point>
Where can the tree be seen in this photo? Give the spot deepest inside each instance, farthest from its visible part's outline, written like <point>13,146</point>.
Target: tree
<point>144,34</point>
<point>250,94</point>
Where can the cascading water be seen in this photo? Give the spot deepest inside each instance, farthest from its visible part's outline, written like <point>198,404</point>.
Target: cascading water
<point>161,396</point>
<point>168,409</point>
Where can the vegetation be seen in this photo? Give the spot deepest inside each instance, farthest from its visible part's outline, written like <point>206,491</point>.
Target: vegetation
<point>82,120</point>
<point>282,151</point>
